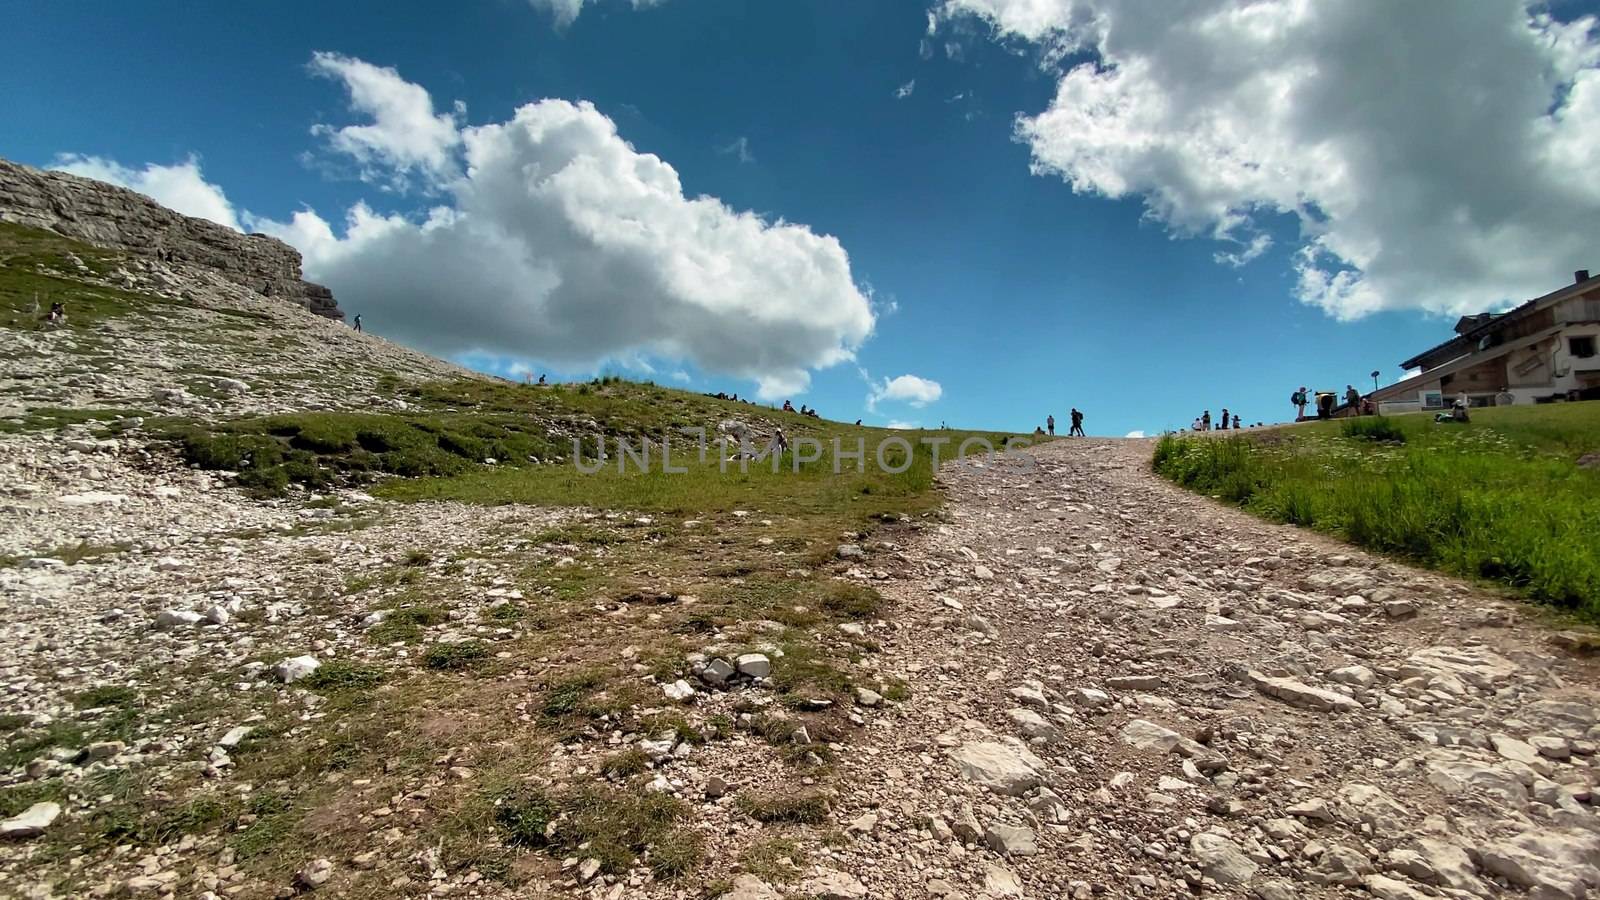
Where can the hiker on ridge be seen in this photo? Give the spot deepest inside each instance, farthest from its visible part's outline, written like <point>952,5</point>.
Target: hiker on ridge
<point>1050,423</point>
<point>1299,399</point>
<point>1077,424</point>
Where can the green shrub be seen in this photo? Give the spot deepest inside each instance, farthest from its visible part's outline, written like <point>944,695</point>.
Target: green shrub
<point>343,675</point>
<point>800,808</point>
<point>1373,428</point>
<point>455,655</point>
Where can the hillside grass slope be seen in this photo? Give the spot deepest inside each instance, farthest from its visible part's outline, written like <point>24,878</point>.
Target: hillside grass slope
<point>494,644</point>
<point>1503,498</point>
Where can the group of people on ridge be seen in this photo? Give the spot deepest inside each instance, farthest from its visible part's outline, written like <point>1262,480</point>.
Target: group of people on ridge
<point>804,410</point>
<point>1327,402</point>
<point>1075,431</point>
<point>1224,422</point>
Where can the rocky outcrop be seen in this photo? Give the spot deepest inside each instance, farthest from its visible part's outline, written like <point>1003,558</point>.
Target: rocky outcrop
<point>120,219</point>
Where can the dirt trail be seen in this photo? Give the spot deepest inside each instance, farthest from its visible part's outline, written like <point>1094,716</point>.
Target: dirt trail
<point>1209,703</point>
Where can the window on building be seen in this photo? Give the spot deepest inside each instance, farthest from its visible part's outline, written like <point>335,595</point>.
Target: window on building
<point>1581,347</point>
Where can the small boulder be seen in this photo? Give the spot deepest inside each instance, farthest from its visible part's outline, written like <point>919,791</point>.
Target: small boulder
<point>295,668</point>
<point>31,823</point>
<point>754,665</point>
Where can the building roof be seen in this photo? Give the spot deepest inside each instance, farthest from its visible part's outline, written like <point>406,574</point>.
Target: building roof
<point>1487,322</point>
<point>1463,362</point>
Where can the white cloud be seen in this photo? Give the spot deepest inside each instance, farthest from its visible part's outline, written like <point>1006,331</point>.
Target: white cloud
<point>405,138</point>
<point>739,148</point>
<point>180,187</point>
<point>1135,434</point>
<point>565,12</point>
<point>561,242</point>
<point>900,425</point>
<point>905,90</point>
<point>911,389</point>
<point>1421,175</point>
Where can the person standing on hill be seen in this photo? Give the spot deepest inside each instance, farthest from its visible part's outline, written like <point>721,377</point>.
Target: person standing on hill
<point>1205,420</point>
<point>1352,397</point>
<point>1050,423</point>
<point>1299,399</point>
<point>1235,421</point>
<point>1222,424</point>
<point>1077,424</point>
<point>358,323</point>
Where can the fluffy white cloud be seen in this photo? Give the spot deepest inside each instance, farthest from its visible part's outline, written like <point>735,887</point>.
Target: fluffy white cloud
<point>565,12</point>
<point>405,138</point>
<point>912,389</point>
<point>563,243</point>
<point>181,187</point>
<point>1436,156</point>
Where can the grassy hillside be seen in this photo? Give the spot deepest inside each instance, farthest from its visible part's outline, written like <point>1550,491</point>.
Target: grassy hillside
<point>542,696</point>
<point>1502,498</point>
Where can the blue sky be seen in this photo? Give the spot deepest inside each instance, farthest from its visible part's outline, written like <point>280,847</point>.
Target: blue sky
<point>1070,261</point>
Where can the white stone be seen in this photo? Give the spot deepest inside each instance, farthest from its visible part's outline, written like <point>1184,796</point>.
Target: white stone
<point>755,665</point>
<point>1221,860</point>
<point>32,822</point>
<point>295,668</point>
<point>1007,768</point>
<point>168,619</point>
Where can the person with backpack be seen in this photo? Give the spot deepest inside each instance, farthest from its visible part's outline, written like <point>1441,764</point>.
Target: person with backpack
<point>1299,399</point>
<point>1352,397</point>
<point>1077,424</point>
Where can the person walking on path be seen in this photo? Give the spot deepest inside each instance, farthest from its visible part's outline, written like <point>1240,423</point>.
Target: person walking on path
<point>1077,424</point>
<point>1050,423</point>
<point>358,323</point>
<point>1352,397</point>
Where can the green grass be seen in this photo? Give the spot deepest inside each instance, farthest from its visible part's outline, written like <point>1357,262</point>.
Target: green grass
<point>800,808</point>
<point>615,825</point>
<point>456,655</point>
<point>405,624</point>
<point>439,450</point>
<point>34,270</point>
<point>1500,499</point>
<point>49,418</point>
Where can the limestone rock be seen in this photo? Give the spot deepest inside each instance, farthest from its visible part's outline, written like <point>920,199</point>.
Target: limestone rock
<point>833,885</point>
<point>120,219</point>
<point>755,665</point>
<point>749,887</point>
<point>1221,859</point>
<point>1005,768</point>
<point>31,823</point>
<point>291,670</point>
<point>1011,840</point>
<point>1297,694</point>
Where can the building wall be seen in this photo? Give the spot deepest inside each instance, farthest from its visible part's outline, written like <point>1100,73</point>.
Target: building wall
<point>1487,377</point>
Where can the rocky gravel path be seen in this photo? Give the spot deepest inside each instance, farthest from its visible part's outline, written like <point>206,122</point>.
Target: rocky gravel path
<point>1123,689</point>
